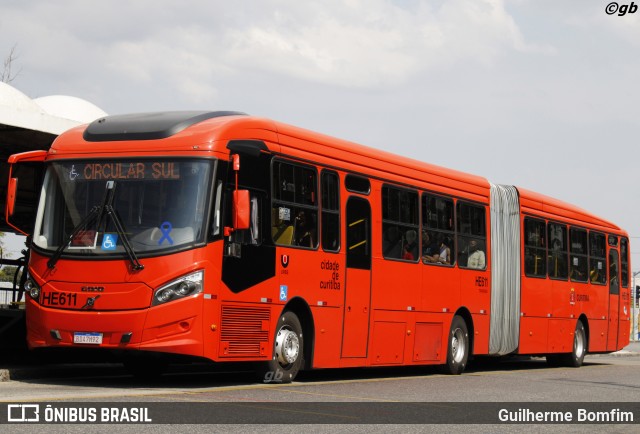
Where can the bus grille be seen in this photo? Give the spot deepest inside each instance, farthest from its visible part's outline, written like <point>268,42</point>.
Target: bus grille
<point>244,331</point>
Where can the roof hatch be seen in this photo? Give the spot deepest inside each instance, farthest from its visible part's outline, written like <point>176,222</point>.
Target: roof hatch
<point>147,126</point>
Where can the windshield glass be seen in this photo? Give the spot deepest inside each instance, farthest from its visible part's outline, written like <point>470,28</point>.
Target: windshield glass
<point>161,205</point>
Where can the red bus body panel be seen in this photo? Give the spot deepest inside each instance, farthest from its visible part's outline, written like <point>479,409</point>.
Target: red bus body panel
<point>396,313</point>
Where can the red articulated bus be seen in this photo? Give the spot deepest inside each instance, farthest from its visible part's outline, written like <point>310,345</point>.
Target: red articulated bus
<point>236,238</point>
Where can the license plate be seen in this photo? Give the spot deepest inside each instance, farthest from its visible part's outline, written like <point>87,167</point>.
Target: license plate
<point>87,338</point>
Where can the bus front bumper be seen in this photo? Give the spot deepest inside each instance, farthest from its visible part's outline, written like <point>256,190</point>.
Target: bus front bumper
<point>161,328</point>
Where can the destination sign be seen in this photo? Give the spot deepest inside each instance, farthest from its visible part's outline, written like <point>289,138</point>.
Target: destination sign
<point>124,170</point>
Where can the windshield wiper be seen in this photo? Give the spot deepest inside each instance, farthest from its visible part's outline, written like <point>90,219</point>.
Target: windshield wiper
<point>94,214</point>
<point>108,208</point>
<point>97,213</point>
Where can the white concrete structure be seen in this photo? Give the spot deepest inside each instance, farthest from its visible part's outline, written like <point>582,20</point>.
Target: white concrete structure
<point>50,114</point>
<point>29,124</point>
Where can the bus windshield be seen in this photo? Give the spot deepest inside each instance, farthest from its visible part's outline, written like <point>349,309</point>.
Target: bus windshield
<point>161,205</point>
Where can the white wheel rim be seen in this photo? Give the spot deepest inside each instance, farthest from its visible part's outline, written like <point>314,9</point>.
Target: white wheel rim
<point>578,344</point>
<point>287,346</point>
<point>458,340</point>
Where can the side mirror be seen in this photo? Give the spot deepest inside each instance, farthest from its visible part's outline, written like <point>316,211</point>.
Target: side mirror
<point>241,203</point>
<point>23,190</point>
<point>12,188</point>
<point>241,212</point>
<point>241,209</point>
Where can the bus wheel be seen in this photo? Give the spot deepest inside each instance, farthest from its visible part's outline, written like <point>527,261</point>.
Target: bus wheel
<point>287,351</point>
<point>576,357</point>
<point>458,347</point>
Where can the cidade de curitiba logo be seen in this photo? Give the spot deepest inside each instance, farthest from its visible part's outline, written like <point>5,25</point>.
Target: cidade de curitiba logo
<point>37,413</point>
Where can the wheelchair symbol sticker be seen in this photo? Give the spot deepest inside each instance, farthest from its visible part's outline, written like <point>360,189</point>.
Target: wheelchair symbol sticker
<point>283,292</point>
<point>109,241</point>
<point>72,173</point>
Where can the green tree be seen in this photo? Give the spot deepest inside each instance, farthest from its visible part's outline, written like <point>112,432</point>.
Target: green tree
<point>7,273</point>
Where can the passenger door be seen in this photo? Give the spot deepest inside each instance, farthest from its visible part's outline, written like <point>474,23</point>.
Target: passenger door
<point>614,300</point>
<point>357,303</point>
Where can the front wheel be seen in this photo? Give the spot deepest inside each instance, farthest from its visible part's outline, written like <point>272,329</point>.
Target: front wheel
<point>457,347</point>
<point>287,351</point>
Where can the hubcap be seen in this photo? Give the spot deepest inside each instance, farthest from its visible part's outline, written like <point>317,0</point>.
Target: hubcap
<point>287,346</point>
<point>579,344</point>
<point>457,345</point>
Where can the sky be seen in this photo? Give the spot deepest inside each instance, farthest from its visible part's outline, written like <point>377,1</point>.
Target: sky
<point>540,94</point>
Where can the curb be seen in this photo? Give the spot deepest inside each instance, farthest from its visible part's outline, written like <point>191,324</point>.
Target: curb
<point>21,373</point>
<point>621,354</point>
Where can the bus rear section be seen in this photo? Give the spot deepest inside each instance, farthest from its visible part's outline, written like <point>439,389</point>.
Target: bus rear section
<point>575,286</point>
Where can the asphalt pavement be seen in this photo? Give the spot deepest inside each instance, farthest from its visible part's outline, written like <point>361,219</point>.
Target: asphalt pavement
<point>23,365</point>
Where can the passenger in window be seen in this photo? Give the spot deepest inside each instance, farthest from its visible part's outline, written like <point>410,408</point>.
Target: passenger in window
<point>429,248</point>
<point>444,256</point>
<point>392,243</point>
<point>304,233</point>
<point>476,257</point>
<point>410,249</point>
<point>594,275</point>
<point>576,273</point>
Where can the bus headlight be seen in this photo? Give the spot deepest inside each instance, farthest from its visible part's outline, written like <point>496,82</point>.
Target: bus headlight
<point>185,286</point>
<point>32,289</point>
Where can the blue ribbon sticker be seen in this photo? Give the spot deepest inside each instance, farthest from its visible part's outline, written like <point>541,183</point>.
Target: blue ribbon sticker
<point>166,228</point>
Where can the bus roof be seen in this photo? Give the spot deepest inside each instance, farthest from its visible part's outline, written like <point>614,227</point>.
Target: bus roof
<point>545,206</point>
<point>211,131</point>
<point>375,162</point>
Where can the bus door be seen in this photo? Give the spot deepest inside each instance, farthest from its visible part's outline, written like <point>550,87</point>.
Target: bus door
<point>357,303</point>
<point>614,300</point>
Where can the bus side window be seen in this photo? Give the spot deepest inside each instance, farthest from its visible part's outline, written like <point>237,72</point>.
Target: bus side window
<point>624,262</point>
<point>472,235</point>
<point>400,224</point>
<point>579,261</point>
<point>438,231</point>
<point>535,251</point>
<point>330,186</point>
<point>294,209</point>
<point>597,258</point>
<point>217,211</point>
<point>558,266</point>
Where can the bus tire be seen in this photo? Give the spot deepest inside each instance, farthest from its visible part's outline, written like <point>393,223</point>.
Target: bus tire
<point>288,354</point>
<point>576,357</point>
<point>457,347</point>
